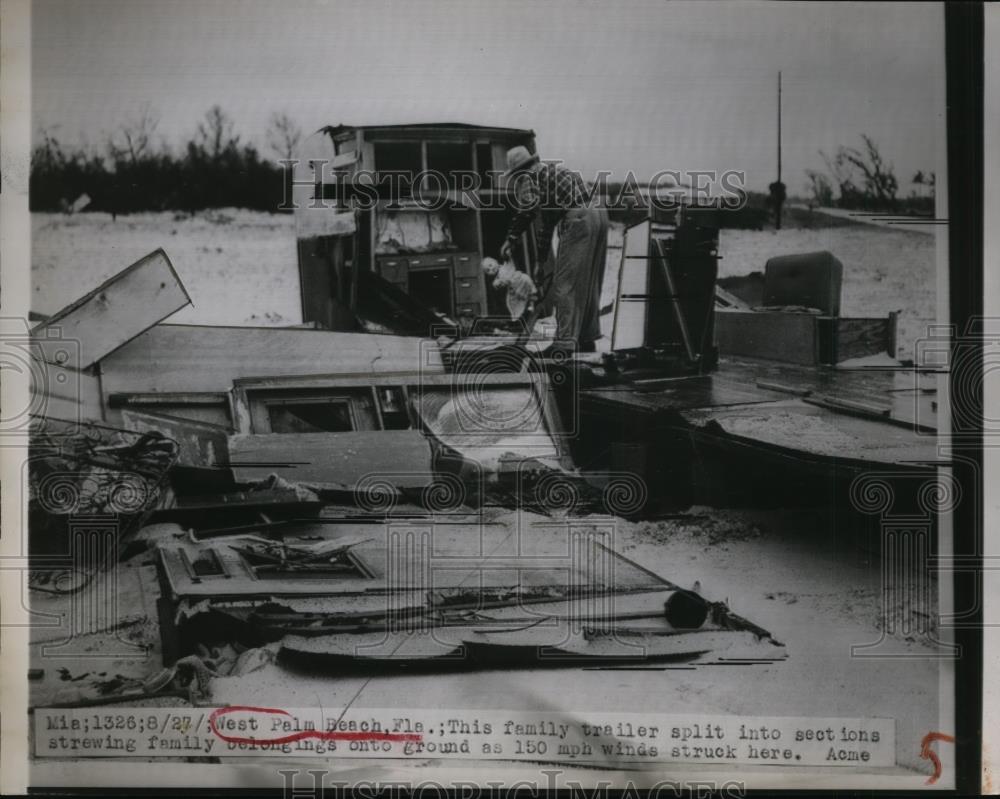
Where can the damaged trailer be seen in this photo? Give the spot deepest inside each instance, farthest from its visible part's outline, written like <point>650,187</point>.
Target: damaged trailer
<point>351,497</point>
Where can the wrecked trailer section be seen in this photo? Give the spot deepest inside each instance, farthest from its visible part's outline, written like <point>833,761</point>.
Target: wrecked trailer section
<point>414,596</point>
<point>763,434</point>
<point>443,440</point>
<point>779,401</point>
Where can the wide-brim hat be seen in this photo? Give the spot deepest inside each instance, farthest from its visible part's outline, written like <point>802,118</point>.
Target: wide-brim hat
<point>519,158</point>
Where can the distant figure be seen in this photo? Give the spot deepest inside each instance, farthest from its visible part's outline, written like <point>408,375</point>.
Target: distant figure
<point>560,196</point>
<point>520,287</point>
<point>777,190</point>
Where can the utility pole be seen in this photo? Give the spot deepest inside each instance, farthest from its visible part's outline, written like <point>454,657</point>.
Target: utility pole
<point>777,188</point>
<point>779,126</point>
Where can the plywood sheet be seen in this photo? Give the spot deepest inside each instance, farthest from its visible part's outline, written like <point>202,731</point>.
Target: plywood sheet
<point>117,311</point>
<point>185,358</point>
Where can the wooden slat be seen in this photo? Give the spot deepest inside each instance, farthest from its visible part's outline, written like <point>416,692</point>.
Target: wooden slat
<point>724,299</point>
<point>194,358</point>
<point>399,457</point>
<point>118,310</point>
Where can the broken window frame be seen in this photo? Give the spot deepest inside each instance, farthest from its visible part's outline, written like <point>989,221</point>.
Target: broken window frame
<point>361,419</point>
<point>249,392</point>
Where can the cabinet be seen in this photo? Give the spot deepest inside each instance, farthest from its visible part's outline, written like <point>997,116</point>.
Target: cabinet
<point>460,229</point>
<point>464,276</point>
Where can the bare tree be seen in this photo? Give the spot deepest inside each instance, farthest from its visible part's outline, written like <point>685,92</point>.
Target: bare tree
<point>283,136</point>
<point>927,179</point>
<point>134,139</point>
<point>880,179</point>
<point>838,167</point>
<point>215,132</point>
<point>820,190</point>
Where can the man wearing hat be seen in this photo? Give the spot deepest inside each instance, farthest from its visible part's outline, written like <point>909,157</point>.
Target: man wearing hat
<point>558,195</point>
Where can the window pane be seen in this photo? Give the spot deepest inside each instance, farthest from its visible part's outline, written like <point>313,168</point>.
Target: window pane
<point>310,417</point>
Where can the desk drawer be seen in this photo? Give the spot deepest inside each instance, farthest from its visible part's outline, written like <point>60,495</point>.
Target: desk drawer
<point>467,309</point>
<point>467,290</point>
<point>393,269</point>
<point>432,260</point>
<point>467,265</point>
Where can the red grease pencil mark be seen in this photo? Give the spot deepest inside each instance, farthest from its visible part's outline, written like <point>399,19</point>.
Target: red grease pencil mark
<point>926,753</point>
<point>298,736</point>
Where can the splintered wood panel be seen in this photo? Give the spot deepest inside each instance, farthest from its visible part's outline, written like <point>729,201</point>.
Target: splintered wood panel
<point>398,457</point>
<point>183,358</point>
<point>117,311</point>
<point>857,337</point>
<point>774,336</point>
<point>629,324</point>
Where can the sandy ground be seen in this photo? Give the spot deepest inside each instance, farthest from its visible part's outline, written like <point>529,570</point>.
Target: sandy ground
<point>817,596</point>
<point>240,266</point>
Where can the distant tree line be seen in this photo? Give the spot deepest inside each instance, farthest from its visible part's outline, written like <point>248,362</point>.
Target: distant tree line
<point>133,172</point>
<point>861,179</point>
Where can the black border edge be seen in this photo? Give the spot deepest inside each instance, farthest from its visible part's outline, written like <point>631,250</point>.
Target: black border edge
<point>964,58</point>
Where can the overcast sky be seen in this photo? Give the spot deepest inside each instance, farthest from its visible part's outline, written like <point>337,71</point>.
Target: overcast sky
<point>613,85</point>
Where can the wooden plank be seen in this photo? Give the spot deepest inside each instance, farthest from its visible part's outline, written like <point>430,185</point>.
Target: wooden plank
<point>342,460</point>
<point>776,336</point>
<point>723,299</point>
<point>186,358</point>
<point>118,310</point>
